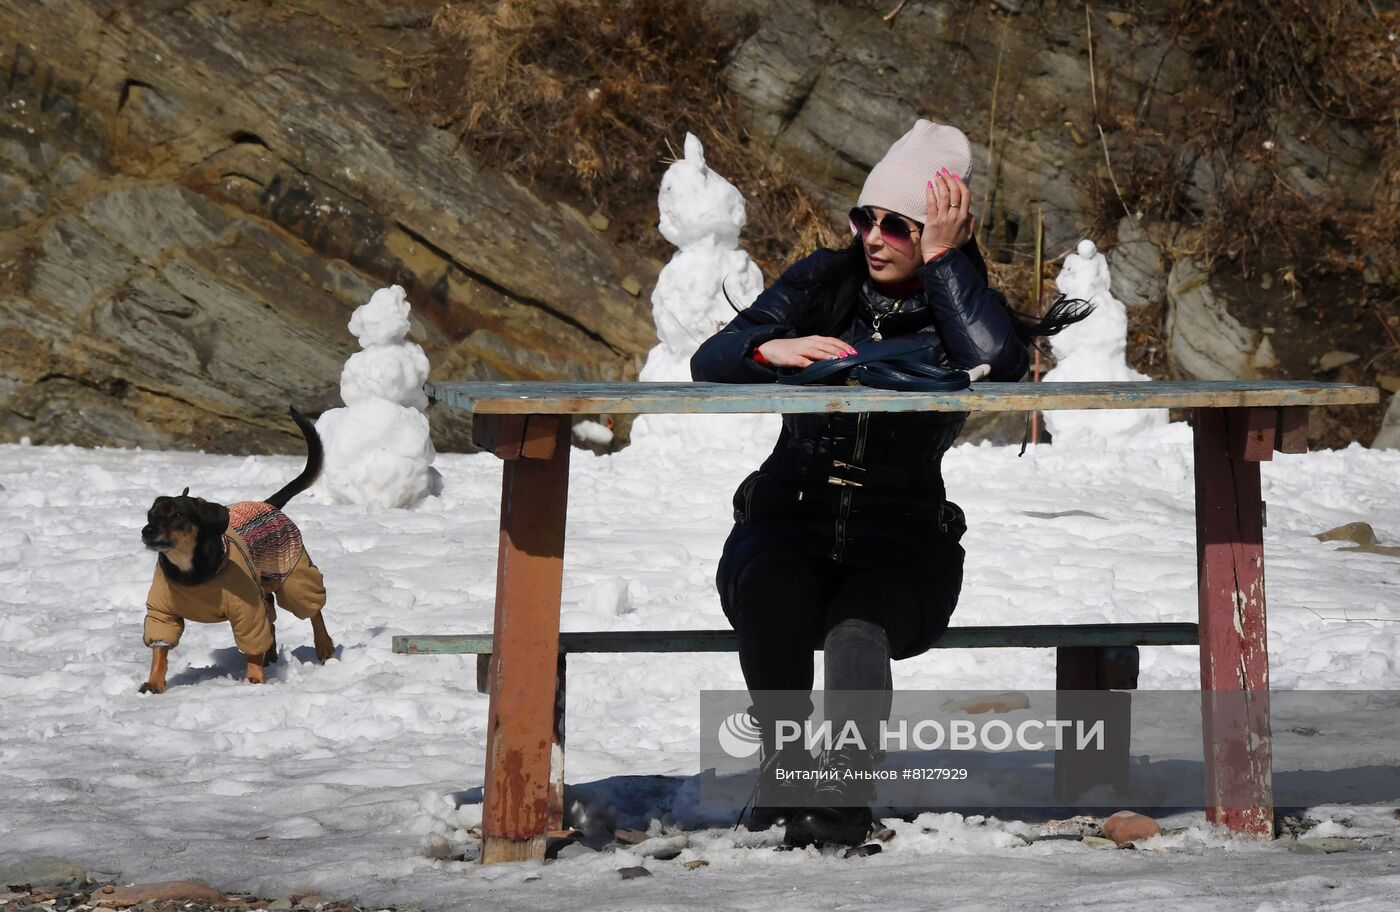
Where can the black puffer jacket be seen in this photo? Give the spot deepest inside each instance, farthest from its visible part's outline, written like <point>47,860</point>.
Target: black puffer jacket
<point>863,490</point>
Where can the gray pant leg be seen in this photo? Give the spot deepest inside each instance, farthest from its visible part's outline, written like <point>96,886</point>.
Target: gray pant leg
<point>856,655</point>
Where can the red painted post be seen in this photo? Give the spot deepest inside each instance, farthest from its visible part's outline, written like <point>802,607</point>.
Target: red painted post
<point>1234,643</point>
<point>1251,433</point>
<point>519,801</point>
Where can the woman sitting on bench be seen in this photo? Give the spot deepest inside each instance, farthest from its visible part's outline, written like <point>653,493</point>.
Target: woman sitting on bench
<point>844,537</point>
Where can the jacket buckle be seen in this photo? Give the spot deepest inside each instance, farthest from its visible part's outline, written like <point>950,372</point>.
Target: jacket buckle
<point>843,482</point>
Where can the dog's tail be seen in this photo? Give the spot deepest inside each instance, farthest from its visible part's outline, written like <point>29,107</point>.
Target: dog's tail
<point>309,474</point>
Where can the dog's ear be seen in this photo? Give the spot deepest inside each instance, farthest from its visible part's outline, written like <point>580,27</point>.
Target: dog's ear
<point>186,492</point>
<point>212,517</point>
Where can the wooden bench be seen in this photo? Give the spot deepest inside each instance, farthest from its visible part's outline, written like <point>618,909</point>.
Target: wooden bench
<point>1237,425</point>
<point>1087,657</point>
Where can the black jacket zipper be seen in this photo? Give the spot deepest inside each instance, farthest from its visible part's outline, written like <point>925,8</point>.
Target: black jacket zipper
<point>843,510</point>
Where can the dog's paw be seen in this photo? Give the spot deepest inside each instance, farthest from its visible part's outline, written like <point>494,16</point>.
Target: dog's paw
<point>325,651</point>
<point>149,688</point>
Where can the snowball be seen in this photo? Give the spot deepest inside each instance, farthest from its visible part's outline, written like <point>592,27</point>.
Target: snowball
<point>691,303</point>
<point>377,452</point>
<point>383,320</point>
<point>696,203</point>
<point>609,597</point>
<point>395,372</point>
<point>593,432</point>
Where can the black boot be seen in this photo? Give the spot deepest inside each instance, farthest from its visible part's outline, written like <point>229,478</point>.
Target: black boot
<point>840,805</point>
<point>778,797</point>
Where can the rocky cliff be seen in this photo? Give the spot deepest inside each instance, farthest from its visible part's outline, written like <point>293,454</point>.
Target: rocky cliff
<point>829,85</point>
<point>194,195</point>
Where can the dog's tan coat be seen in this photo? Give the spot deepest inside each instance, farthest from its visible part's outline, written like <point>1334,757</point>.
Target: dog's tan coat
<point>233,595</point>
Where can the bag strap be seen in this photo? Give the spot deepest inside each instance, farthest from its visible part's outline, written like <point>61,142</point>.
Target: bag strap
<point>887,364</point>
<point>820,371</point>
<point>911,376</point>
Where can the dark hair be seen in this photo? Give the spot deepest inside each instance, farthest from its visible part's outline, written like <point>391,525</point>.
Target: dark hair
<point>845,272</point>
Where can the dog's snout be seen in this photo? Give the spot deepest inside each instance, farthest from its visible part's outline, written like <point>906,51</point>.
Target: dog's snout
<point>148,530</point>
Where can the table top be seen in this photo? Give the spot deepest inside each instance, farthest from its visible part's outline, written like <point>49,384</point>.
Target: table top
<point>551,397</point>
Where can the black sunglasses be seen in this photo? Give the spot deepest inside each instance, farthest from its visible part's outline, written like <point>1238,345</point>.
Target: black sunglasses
<point>895,230</point>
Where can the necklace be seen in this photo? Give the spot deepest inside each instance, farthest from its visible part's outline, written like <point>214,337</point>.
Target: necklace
<point>879,318</point>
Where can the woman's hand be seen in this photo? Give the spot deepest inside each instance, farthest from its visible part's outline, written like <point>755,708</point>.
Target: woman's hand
<point>950,221</point>
<point>804,351</point>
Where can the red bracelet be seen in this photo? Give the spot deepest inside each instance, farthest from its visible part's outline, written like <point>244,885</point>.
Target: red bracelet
<point>758,356</point>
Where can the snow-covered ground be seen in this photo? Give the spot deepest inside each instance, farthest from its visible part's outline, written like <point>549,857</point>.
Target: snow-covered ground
<point>330,778</point>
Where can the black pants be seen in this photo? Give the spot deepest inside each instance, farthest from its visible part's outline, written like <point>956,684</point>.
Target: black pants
<point>789,604</point>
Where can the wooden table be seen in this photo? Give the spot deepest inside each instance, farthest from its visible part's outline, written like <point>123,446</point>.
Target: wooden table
<point>1237,424</point>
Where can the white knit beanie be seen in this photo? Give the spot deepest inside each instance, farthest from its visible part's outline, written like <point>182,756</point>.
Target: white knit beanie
<point>899,181</point>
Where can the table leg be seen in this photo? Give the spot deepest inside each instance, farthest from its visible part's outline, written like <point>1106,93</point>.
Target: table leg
<point>556,762</point>
<point>518,797</point>
<point>1234,645</point>
<point>1097,670</point>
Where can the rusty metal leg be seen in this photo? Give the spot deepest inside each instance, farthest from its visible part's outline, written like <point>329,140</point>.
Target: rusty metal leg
<point>556,757</point>
<point>524,661</point>
<point>1234,644</point>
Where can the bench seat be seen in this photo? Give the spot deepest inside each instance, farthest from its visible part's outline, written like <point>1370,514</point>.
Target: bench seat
<point>1087,657</point>
<point>1090,657</point>
<point>1030,636</point>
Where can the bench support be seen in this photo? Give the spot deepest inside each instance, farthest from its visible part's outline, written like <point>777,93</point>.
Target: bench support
<point>1229,444</point>
<point>1095,668</point>
<point>521,797</point>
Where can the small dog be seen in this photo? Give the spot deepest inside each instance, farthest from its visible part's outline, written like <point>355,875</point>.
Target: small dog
<point>227,564</point>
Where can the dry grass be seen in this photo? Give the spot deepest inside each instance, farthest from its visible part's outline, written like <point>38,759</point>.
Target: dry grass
<point>1309,67</point>
<point>585,99</point>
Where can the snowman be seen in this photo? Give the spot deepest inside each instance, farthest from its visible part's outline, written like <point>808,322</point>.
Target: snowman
<point>1094,350</point>
<point>702,215</point>
<point>377,448</point>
